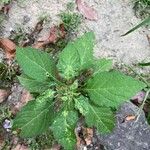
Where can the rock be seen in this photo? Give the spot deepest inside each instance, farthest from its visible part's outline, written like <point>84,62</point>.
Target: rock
<point>128,135</point>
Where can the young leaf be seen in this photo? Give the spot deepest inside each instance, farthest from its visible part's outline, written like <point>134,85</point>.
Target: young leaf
<point>68,63</point>
<point>36,64</point>
<point>34,119</point>
<point>102,65</point>
<point>63,129</point>
<point>85,46</point>
<point>82,105</point>
<point>112,88</point>
<point>33,85</point>
<point>76,56</point>
<point>101,118</point>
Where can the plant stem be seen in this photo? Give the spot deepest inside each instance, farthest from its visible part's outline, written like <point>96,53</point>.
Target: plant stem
<point>143,103</point>
<point>148,85</point>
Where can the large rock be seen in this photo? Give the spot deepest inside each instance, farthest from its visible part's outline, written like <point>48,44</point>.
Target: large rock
<point>128,135</point>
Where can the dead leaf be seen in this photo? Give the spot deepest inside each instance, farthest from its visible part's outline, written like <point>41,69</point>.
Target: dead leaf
<point>20,147</point>
<point>5,9</point>
<point>51,38</point>
<point>4,94</point>
<point>84,136</point>
<point>87,11</point>
<point>56,147</point>
<point>25,97</point>
<point>130,118</point>
<point>9,47</point>
<point>88,136</point>
<point>148,38</point>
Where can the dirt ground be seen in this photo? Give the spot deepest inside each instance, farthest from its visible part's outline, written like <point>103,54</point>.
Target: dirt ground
<point>114,19</point>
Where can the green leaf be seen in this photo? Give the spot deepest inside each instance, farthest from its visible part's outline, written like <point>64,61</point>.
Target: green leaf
<point>63,129</point>
<point>77,56</point>
<point>100,117</point>
<point>36,64</point>
<point>144,22</point>
<point>102,65</point>
<point>33,85</point>
<point>144,64</point>
<point>34,119</point>
<point>112,88</point>
<point>82,104</point>
<point>68,63</point>
<point>85,46</point>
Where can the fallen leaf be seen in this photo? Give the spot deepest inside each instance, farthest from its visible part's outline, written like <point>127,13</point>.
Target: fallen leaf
<point>25,97</point>
<point>130,117</point>
<point>86,11</point>
<point>54,35</point>
<point>9,47</point>
<point>5,9</point>
<point>20,147</point>
<point>88,136</point>
<point>4,94</point>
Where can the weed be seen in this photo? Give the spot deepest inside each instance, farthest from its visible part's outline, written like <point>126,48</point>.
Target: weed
<point>5,1</point>
<point>71,87</point>
<point>142,8</point>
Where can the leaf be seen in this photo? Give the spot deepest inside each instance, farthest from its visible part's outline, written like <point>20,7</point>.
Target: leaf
<point>36,64</point>
<point>33,85</point>
<point>34,119</point>
<point>63,129</point>
<point>86,11</point>
<point>76,56</point>
<point>144,22</point>
<point>85,46</point>
<point>4,93</point>
<point>102,65</point>
<point>9,47</point>
<point>144,64</point>
<point>112,88</point>
<point>82,105</point>
<point>68,63</point>
<point>100,117</point>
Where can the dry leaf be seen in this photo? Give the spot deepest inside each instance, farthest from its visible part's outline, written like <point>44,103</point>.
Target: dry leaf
<point>20,147</point>
<point>88,136</point>
<point>9,47</point>
<point>86,11</point>
<point>25,97</point>
<point>5,9</point>
<point>4,94</point>
<point>130,117</point>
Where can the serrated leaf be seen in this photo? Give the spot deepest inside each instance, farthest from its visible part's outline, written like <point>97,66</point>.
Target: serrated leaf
<point>34,119</point>
<point>85,46</point>
<point>100,117</point>
<point>36,64</point>
<point>82,104</point>
<point>33,85</point>
<point>77,56</point>
<point>102,65</point>
<point>112,88</point>
<point>63,129</point>
<point>68,63</point>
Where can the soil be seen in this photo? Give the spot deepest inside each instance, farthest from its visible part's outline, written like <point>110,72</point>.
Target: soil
<point>114,19</point>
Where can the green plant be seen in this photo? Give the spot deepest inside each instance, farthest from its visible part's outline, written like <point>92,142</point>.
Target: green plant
<point>142,8</point>
<point>70,20</point>
<point>5,1</point>
<point>144,22</point>
<point>76,85</point>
